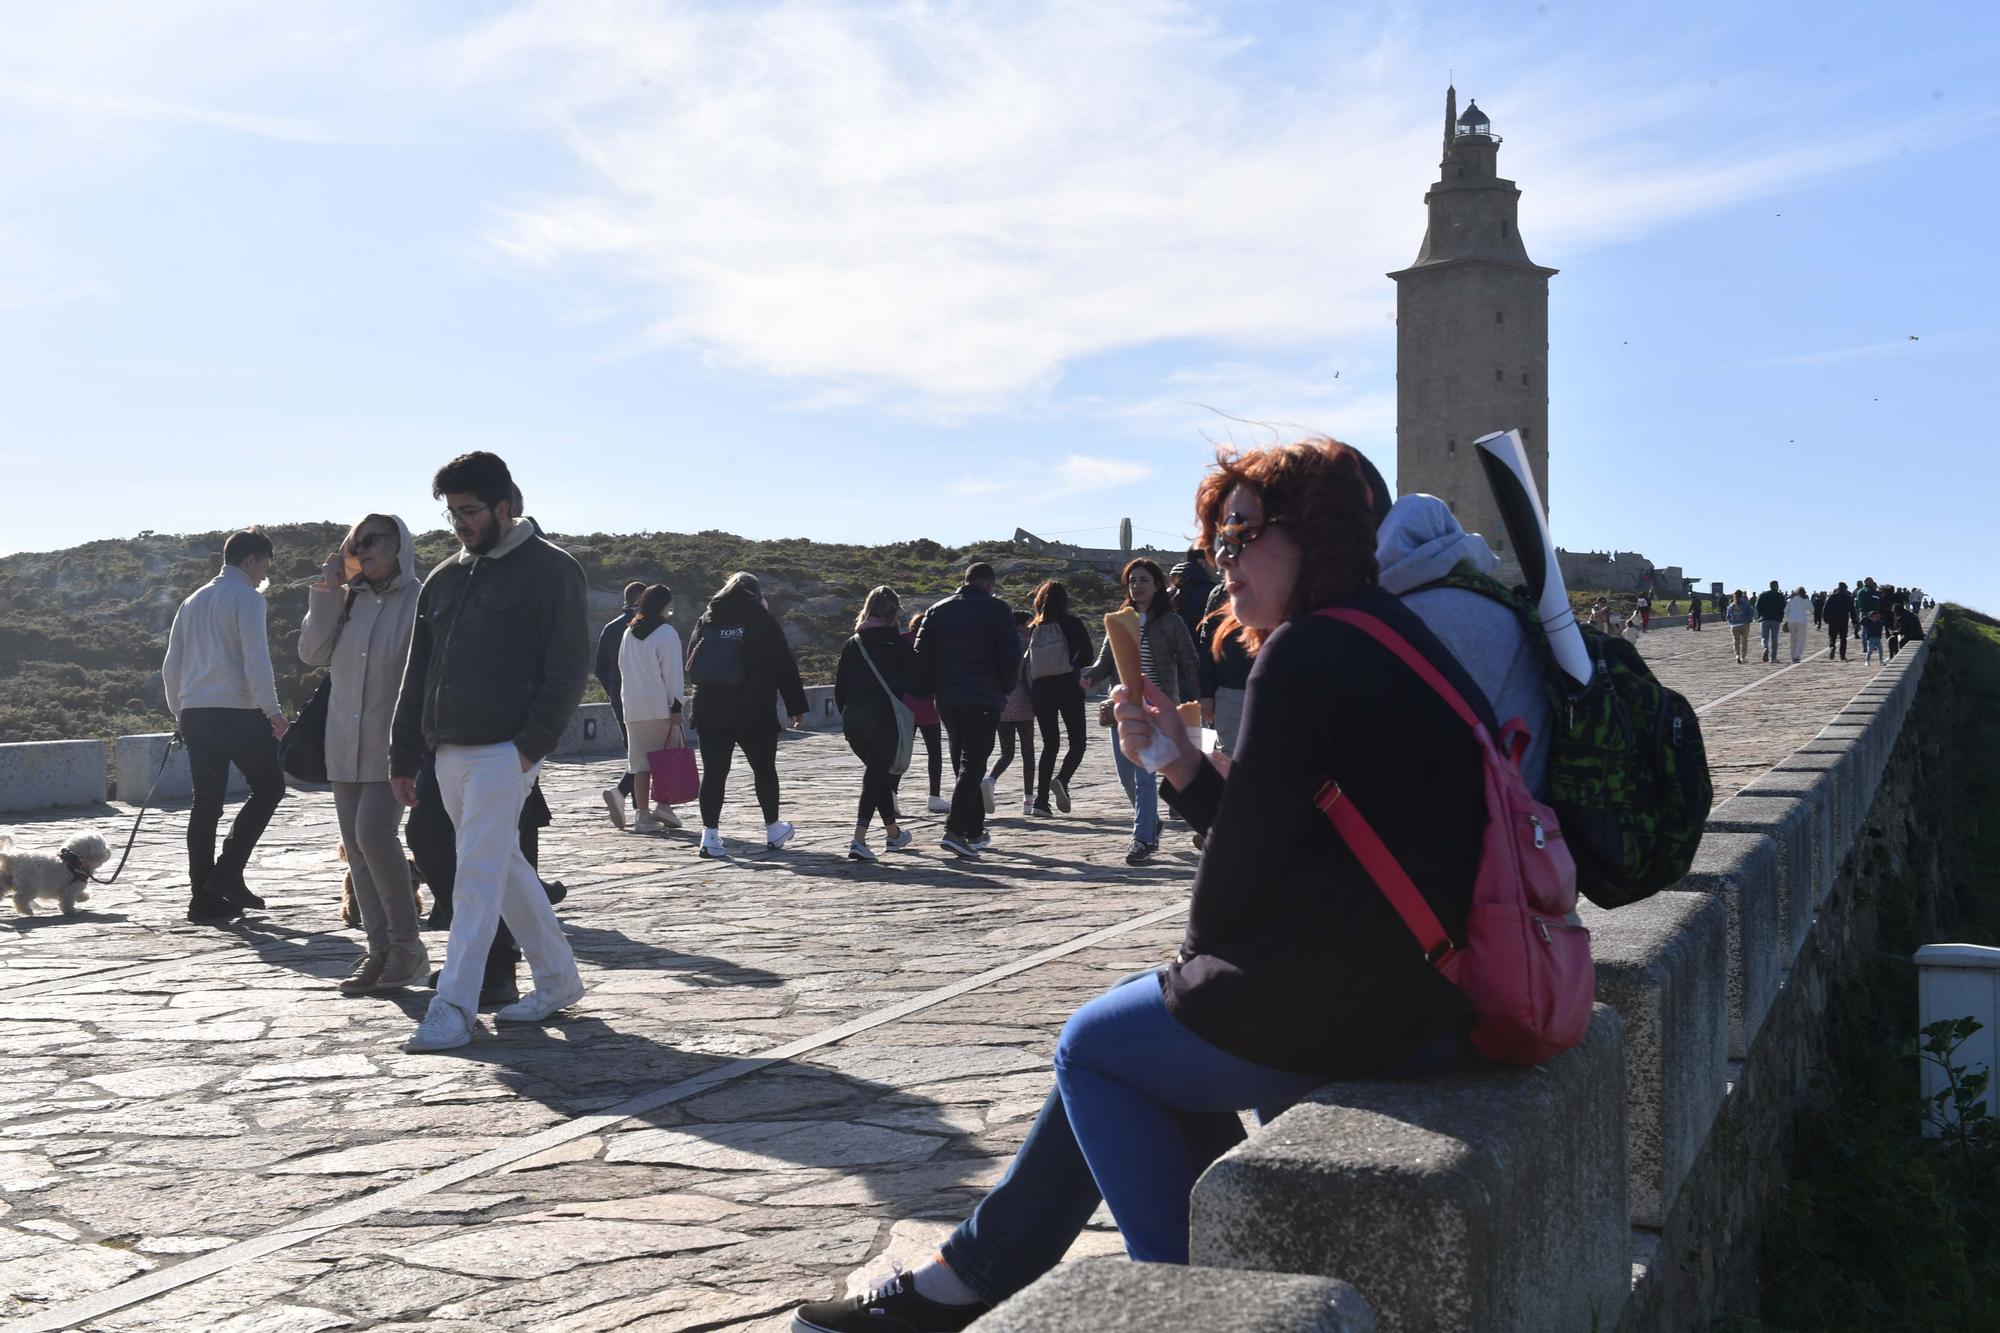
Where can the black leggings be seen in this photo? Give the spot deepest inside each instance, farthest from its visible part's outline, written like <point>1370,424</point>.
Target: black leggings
<point>718,750</point>
<point>878,796</point>
<point>1071,713</point>
<point>1025,731</point>
<point>930,731</point>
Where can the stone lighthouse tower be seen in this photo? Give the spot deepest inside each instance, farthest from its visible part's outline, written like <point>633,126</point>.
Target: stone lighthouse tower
<point>1472,333</point>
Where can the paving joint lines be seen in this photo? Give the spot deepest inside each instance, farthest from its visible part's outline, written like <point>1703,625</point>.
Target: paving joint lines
<point>304,1229</point>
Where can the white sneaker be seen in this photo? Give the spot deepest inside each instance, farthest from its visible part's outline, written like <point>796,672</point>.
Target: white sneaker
<point>902,839</point>
<point>711,843</point>
<point>940,806</point>
<point>645,823</point>
<point>778,834</point>
<point>542,1001</point>
<point>1028,806</point>
<point>1062,794</point>
<point>614,801</point>
<point>445,1027</point>
<point>858,851</point>
<point>986,794</point>
<point>665,814</point>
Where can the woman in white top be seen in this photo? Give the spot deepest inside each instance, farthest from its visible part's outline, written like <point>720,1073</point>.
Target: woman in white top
<point>1798,612</point>
<point>650,686</point>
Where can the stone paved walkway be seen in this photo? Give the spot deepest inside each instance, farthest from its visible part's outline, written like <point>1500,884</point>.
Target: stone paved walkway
<point>182,1103</point>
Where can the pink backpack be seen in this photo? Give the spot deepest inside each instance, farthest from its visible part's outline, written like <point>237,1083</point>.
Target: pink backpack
<point>1523,964</point>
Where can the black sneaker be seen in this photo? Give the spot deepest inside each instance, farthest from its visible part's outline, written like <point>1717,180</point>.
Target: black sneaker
<point>959,845</point>
<point>893,1307</point>
<point>1044,812</point>
<point>228,885</point>
<point>1141,852</point>
<point>205,909</point>
<point>1061,790</point>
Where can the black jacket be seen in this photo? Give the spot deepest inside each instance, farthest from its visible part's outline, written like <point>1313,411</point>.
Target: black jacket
<point>866,715</point>
<point>769,671</point>
<point>1293,958</point>
<point>1233,671</point>
<point>968,651</point>
<point>605,668</point>
<point>500,652</point>
<point>1839,609</point>
<point>1193,598</point>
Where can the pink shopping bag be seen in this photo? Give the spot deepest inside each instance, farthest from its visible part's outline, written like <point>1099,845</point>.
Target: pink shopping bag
<point>676,778</point>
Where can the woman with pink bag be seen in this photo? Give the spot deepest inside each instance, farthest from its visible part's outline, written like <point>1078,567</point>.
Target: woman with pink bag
<point>651,685</point>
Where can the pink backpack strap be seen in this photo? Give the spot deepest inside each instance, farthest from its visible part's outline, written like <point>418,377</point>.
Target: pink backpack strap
<point>1386,871</point>
<point>1377,629</point>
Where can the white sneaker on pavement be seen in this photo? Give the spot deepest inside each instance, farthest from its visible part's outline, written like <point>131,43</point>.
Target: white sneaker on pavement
<point>940,806</point>
<point>711,843</point>
<point>778,834</point>
<point>1028,806</point>
<point>665,814</point>
<point>645,823</point>
<point>902,839</point>
<point>543,1001</point>
<point>858,851</point>
<point>986,794</point>
<point>614,801</point>
<point>445,1027</point>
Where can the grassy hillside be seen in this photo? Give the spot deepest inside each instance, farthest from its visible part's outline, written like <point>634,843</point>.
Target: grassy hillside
<point>82,631</point>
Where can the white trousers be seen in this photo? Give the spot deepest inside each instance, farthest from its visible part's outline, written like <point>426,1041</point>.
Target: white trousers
<point>1798,638</point>
<point>483,789</point>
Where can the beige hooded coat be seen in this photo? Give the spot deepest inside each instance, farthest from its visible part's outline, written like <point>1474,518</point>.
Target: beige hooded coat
<point>366,657</point>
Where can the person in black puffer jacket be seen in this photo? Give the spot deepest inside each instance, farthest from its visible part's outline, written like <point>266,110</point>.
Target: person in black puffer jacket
<point>969,653</point>
<point>876,656</point>
<point>740,665</point>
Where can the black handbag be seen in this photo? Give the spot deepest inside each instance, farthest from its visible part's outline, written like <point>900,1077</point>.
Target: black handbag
<point>302,753</point>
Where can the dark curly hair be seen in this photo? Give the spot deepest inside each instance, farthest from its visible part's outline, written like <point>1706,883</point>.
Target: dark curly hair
<point>1320,488</point>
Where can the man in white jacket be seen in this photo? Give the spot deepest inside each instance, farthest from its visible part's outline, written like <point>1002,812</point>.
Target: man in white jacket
<point>224,699</point>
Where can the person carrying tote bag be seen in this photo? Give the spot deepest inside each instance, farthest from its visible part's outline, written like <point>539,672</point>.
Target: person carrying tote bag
<point>650,686</point>
<point>676,776</point>
<point>875,671</point>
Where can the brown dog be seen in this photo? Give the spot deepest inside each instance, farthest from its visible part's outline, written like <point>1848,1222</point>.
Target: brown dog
<point>350,911</point>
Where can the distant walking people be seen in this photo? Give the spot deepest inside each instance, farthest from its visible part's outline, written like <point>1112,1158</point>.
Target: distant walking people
<point>1770,618</point>
<point>1645,610</point>
<point>742,668</point>
<point>873,675</point>
<point>1797,611</point>
<point>1017,728</point>
<point>1739,614</point>
<point>1871,637</point>
<point>224,699</point>
<point>605,668</point>
<point>929,729</point>
<point>1058,650</point>
<point>1694,611</point>
<point>1909,626</point>
<point>497,665</point>
<point>1191,586</point>
<point>1166,657</point>
<point>1819,609</point>
<point>1837,612</point>
<point>359,618</point>
<point>652,684</point>
<point>969,652</point>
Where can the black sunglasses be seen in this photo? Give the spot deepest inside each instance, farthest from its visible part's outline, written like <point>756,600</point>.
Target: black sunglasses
<point>1237,531</point>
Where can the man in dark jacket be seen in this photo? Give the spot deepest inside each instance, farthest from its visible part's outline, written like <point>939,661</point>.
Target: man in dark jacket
<point>497,665</point>
<point>606,670</point>
<point>1191,590</point>
<point>1838,611</point>
<point>1770,615</point>
<point>970,653</point>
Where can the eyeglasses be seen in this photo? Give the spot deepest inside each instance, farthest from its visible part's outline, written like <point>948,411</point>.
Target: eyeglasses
<point>467,512</point>
<point>372,540</point>
<point>1237,531</point>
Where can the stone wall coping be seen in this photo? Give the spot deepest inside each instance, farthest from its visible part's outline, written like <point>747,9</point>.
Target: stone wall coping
<point>1113,1296</point>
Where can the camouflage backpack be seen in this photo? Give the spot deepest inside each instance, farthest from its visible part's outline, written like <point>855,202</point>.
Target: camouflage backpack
<point>1628,775</point>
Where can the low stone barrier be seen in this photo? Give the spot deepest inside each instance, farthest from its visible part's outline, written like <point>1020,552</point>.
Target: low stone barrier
<point>1742,870</point>
<point>1118,1297</point>
<point>39,775</point>
<point>1479,1199</point>
<point>1791,824</point>
<point>139,760</point>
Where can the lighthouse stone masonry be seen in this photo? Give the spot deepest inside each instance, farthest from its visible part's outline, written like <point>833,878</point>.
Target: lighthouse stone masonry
<point>1472,334</point>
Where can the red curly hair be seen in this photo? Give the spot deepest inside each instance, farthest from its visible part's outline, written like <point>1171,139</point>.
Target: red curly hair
<point>1320,489</point>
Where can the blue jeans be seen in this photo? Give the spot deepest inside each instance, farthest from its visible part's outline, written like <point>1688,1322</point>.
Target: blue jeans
<point>1142,789</point>
<point>1770,632</point>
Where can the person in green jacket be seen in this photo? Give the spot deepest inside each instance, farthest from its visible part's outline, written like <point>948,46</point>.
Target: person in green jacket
<point>1770,615</point>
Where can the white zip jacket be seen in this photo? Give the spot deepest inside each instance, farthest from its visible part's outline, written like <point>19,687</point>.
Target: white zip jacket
<point>650,675</point>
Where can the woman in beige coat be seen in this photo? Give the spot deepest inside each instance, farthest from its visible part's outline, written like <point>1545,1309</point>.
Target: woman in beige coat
<point>358,622</point>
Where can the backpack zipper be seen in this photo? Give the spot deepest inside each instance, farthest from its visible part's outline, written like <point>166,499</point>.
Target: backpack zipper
<point>1541,840</point>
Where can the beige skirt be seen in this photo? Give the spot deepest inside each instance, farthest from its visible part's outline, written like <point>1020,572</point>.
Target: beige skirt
<point>641,739</point>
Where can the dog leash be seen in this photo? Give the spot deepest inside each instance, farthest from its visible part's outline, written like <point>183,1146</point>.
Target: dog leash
<point>75,867</point>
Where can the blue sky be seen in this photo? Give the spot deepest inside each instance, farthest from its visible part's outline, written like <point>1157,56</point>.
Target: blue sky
<point>870,272</point>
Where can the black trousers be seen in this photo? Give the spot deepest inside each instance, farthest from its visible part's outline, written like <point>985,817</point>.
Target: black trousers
<point>625,778</point>
<point>217,738</point>
<point>433,844</point>
<point>1071,712</point>
<point>1836,640</point>
<point>1023,734</point>
<point>931,733</point>
<point>718,751</point>
<point>878,796</point>
<point>973,730</point>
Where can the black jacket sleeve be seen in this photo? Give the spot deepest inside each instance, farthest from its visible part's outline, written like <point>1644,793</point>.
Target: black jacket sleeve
<point>843,675</point>
<point>406,731</point>
<point>565,660</point>
<point>1006,646</point>
<point>785,669</point>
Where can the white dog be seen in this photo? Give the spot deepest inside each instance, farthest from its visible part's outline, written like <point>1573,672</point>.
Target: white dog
<point>62,879</point>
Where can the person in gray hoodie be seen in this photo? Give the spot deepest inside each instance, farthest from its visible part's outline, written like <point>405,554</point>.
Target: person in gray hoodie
<point>1420,541</point>
<point>358,622</point>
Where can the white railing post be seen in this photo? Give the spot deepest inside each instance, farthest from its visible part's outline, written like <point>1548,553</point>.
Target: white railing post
<point>1960,981</point>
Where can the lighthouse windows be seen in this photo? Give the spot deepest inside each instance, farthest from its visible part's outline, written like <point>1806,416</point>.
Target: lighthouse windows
<point>1524,379</point>
<point>1498,374</point>
<point>1499,317</point>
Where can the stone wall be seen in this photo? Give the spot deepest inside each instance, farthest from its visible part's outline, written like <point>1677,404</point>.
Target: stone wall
<point>37,776</point>
<point>1530,1199</point>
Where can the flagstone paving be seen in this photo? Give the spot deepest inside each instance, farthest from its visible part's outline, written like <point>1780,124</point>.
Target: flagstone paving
<point>183,1098</point>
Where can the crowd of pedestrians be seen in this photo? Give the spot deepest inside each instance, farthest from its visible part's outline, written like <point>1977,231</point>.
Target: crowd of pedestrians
<point>1881,618</point>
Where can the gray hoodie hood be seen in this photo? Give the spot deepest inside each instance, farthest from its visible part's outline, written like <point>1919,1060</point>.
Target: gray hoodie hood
<point>1420,542</point>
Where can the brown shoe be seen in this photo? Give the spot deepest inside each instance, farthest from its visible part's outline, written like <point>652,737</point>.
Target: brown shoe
<point>364,976</point>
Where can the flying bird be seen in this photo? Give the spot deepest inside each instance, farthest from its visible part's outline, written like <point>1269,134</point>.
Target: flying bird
<point>1913,337</point>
